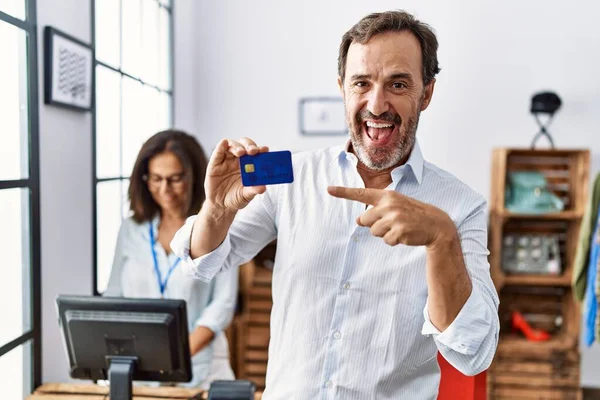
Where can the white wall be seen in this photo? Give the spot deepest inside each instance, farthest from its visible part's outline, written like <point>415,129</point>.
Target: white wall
<point>184,54</point>
<point>254,60</point>
<point>66,191</point>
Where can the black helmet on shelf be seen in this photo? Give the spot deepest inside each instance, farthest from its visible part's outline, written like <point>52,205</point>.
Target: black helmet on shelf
<point>545,103</point>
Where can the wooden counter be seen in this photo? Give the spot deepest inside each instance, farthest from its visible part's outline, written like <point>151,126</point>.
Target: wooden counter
<point>74,391</point>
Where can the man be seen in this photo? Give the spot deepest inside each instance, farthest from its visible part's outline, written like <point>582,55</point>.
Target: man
<point>381,257</point>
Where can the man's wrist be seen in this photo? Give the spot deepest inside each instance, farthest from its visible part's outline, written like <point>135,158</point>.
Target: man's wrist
<point>446,235</point>
<point>216,213</point>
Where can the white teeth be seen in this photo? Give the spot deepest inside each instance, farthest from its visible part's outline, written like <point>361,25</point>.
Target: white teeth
<point>378,125</point>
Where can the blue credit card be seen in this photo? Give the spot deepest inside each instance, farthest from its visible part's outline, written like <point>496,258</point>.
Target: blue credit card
<point>267,168</point>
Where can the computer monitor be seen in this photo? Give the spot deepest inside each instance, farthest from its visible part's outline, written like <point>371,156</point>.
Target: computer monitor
<point>123,339</point>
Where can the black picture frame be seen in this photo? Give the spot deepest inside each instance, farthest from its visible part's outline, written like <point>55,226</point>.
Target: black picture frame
<point>77,78</point>
<point>337,102</point>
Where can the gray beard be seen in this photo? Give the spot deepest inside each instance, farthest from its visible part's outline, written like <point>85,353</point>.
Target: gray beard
<point>380,159</point>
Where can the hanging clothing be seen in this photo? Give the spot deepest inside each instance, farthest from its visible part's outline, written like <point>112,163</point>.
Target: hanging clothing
<point>596,267</point>
<point>582,256</point>
<point>590,309</point>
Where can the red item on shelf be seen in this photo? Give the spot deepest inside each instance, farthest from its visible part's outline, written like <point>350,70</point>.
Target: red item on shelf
<point>519,323</point>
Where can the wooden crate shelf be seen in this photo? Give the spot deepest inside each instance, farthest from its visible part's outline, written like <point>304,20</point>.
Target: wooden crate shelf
<point>567,173</point>
<point>543,280</point>
<point>562,215</point>
<point>535,394</point>
<point>519,345</point>
<point>524,369</point>
<point>250,331</point>
<point>548,375</point>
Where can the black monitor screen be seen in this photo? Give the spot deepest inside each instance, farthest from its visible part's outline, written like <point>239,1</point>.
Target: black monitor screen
<point>151,332</point>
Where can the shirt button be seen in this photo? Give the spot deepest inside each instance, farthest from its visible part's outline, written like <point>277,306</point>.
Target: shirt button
<point>355,238</point>
<point>328,384</point>
<point>346,286</point>
<point>337,335</point>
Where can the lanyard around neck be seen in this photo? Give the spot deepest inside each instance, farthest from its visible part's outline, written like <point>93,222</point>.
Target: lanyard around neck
<point>162,285</point>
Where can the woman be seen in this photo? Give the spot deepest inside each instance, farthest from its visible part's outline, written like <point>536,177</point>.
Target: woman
<point>167,186</point>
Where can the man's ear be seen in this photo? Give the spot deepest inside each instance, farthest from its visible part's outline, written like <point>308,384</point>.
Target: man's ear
<point>427,95</point>
<point>341,85</point>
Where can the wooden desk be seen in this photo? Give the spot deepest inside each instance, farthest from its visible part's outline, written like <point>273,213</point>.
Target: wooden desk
<point>71,391</point>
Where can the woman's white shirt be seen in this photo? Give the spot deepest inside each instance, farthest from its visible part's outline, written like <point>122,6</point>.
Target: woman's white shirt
<point>208,304</point>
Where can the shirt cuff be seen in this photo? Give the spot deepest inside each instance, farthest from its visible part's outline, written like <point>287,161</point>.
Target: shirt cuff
<point>206,267</point>
<point>468,330</point>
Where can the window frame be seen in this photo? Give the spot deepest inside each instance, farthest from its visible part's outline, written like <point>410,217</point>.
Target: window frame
<point>170,92</point>
<point>32,182</point>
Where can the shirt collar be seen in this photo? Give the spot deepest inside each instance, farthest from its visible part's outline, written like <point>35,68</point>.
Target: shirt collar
<point>415,161</point>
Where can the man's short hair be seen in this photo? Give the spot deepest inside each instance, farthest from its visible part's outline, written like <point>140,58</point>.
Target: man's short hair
<point>393,21</point>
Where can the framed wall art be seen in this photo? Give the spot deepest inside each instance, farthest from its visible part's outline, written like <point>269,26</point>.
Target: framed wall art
<point>322,116</point>
<point>68,71</point>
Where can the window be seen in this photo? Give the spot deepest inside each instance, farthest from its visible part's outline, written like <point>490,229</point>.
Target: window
<point>132,41</point>
<point>20,335</point>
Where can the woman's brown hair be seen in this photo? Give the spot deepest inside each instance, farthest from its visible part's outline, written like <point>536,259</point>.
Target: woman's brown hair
<point>194,162</point>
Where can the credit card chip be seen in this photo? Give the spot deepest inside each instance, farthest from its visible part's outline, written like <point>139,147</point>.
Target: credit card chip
<point>249,168</point>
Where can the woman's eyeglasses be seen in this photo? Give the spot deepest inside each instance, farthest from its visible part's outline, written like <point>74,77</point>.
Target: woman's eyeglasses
<point>154,181</point>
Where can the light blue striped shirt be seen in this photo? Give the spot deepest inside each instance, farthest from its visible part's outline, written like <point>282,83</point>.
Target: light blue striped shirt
<point>349,317</point>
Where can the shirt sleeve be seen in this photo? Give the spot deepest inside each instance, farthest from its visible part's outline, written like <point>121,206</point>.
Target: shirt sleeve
<point>252,229</point>
<point>115,284</point>
<point>219,312</point>
<point>469,342</point>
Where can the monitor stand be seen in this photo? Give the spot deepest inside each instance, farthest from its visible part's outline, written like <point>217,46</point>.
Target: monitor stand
<point>120,373</point>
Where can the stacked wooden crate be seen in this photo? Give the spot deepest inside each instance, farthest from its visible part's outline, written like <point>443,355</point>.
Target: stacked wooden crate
<point>249,334</point>
<point>524,369</point>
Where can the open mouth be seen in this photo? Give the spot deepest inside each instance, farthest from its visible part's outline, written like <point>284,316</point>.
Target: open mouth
<point>379,133</point>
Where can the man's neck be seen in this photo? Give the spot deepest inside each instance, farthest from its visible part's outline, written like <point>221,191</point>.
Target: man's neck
<point>377,179</point>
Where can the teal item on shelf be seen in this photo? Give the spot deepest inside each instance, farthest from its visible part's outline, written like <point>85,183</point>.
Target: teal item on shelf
<point>527,193</point>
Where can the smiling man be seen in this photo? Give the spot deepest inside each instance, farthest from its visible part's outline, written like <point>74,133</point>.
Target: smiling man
<point>381,256</point>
